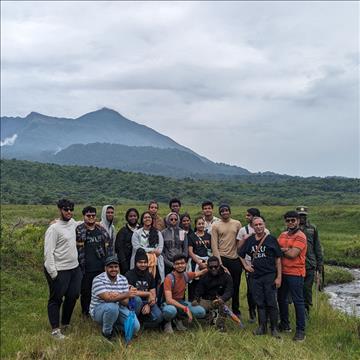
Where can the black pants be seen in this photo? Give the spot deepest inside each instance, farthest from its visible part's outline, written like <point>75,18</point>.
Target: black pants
<point>264,293</point>
<point>250,298</point>
<point>235,269</point>
<point>66,285</point>
<point>86,285</point>
<point>308,285</point>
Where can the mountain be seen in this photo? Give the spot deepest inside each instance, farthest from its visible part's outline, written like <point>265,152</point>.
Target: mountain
<point>111,139</point>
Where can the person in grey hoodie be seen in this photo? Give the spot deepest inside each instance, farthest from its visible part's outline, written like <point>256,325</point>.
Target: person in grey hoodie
<point>175,240</point>
<point>107,220</point>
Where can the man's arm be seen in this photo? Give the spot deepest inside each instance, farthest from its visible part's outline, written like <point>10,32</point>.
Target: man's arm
<point>49,247</point>
<point>278,272</point>
<point>291,253</point>
<point>214,242</point>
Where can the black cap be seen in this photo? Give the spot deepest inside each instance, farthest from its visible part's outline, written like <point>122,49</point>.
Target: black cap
<point>111,260</point>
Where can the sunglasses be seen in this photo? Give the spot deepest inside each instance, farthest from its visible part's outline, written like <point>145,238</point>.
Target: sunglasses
<point>214,267</point>
<point>290,220</point>
<point>90,215</point>
<point>173,219</point>
<point>66,209</point>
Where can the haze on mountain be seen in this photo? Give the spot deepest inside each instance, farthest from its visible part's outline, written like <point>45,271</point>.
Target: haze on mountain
<point>104,138</point>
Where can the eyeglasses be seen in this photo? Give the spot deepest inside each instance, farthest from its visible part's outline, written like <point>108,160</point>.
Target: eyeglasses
<point>66,209</point>
<point>290,220</point>
<point>90,215</point>
<point>213,267</point>
<point>173,219</point>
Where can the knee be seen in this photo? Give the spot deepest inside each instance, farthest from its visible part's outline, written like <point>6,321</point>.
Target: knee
<point>169,312</point>
<point>198,311</point>
<point>138,304</point>
<point>112,309</point>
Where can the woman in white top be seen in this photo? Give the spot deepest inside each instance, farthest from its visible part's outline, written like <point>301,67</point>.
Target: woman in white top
<point>151,240</point>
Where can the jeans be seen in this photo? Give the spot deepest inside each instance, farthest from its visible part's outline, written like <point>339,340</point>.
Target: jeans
<point>66,286</point>
<point>294,285</point>
<point>151,320</point>
<point>110,315</point>
<point>171,311</point>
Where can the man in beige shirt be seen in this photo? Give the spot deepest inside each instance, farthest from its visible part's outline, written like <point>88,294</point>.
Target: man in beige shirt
<point>224,245</point>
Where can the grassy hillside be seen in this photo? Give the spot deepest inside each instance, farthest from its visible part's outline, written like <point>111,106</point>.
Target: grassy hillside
<point>25,329</point>
<point>24,182</point>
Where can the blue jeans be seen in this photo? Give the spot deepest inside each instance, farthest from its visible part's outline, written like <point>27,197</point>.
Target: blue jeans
<point>294,285</point>
<point>112,315</point>
<point>170,311</point>
<point>151,320</point>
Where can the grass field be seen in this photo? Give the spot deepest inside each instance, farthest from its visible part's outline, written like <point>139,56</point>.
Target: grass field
<point>25,329</point>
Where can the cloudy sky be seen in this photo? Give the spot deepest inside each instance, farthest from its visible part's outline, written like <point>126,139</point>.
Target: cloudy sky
<point>263,85</point>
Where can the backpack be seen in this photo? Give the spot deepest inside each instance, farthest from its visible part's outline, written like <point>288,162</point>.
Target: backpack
<point>172,276</point>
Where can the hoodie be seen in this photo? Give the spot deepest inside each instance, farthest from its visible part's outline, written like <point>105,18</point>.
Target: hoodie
<point>175,240</point>
<point>109,227</point>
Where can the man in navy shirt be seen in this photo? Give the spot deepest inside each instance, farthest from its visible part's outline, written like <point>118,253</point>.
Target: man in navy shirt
<point>265,269</point>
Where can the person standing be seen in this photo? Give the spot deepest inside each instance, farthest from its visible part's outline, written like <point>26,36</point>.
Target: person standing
<point>107,222</point>
<point>94,245</point>
<point>224,245</point>
<point>158,222</point>
<point>175,240</point>
<point>209,218</point>
<point>244,233</point>
<point>314,255</point>
<point>293,246</point>
<point>265,270</point>
<point>110,296</point>
<point>61,268</point>
<point>123,245</point>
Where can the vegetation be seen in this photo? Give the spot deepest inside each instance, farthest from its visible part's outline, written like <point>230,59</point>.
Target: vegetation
<point>25,329</point>
<point>24,182</point>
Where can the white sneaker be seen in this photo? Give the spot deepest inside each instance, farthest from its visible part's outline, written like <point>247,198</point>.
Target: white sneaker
<point>179,325</point>
<point>56,334</point>
<point>168,328</point>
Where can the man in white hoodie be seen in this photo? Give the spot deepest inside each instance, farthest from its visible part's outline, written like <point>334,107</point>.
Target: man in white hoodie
<point>62,269</point>
<point>107,220</point>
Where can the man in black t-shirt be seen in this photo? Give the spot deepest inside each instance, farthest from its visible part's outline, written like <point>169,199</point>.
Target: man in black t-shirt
<point>145,300</point>
<point>94,245</point>
<point>265,270</point>
<point>213,290</point>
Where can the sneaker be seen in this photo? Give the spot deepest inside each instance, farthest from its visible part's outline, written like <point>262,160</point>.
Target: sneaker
<point>65,328</point>
<point>261,330</point>
<point>56,334</point>
<point>284,328</point>
<point>168,328</point>
<point>179,325</point>
<point>275,334</point>
<point>299,336</point>
<point>107,336</point>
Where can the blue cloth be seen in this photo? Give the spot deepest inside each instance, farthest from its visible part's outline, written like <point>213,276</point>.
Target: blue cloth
<point>112,315</point>
<point>294,285</point>
<point>170,311</point>
<point>153,319</point>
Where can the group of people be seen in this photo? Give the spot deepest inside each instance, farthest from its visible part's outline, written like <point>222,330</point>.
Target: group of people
<point>164,270</point>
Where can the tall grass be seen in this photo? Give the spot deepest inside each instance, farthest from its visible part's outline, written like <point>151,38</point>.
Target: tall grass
<point>25,333</point>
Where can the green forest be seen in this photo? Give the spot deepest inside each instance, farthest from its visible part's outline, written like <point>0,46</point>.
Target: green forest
<point>25,182</point>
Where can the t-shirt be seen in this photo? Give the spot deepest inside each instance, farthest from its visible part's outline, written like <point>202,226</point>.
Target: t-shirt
<point>200,244</point>
<point>264,262</point>
<point>93,241</point>
<point>178,291</point>
<point>294,266</point>
<point>142,282</point>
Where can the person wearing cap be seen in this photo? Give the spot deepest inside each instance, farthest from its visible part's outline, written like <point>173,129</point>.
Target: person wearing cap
<point>224,246</point>
<point>244,233</point>
<point>110,295</point>
<point>93,245</point>
<point>145,300</point>
<point>314,255</point>
<point>61,268</point>
<point>293,246</point>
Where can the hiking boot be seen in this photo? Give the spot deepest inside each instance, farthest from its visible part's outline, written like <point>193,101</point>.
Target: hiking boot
<point>275,334</point>
<point>299,335</point>
<point>261,330</point>
<point>56,334</point>
<point>168,328</point>
<point>284,328</point>
<point>179,325</point>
